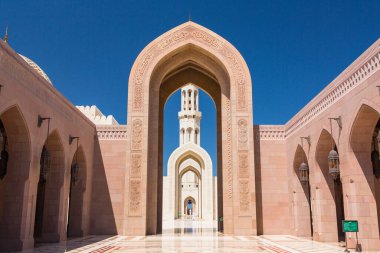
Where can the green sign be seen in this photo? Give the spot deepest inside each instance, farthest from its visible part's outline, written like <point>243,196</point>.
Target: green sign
<point>350,226</point>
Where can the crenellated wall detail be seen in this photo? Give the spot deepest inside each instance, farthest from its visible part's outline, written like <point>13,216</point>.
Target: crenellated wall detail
<point>271,132</point>
<point>113,132</point>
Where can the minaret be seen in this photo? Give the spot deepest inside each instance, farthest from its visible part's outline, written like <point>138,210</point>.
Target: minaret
<point>189,116</point>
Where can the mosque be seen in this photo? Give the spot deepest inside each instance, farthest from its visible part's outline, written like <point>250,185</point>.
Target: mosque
<point>69,171</point>
<point>190,188</point>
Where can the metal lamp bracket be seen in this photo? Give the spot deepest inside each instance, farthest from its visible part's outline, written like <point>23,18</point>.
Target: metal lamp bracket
<point>307,138</point>
<point>338,121</point>
<point>72,138</point>
<point>40,120</point>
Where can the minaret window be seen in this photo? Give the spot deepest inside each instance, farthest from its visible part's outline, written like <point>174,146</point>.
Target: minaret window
<point>189,93</point>
<point>195,100</point>
<point>184,100</point>
<point>196,138</point>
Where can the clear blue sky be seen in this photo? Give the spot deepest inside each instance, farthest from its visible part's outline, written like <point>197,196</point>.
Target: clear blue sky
<point>293,48</point>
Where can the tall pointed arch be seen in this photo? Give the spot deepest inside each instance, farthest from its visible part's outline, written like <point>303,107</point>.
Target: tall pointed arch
<point>15,171</point>
<point>191,53</point>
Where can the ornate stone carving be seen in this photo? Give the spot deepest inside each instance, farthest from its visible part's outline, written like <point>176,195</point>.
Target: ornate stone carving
<point>206,38</point>
<point>244,196</point>
<point>241,96</point>
<point>178,36</point>
<point>242,134</point>
<point>243,165</point>
<point>229,150</point>
<point>135,198</point>
<point>135,166</point>
<point>136,134</point>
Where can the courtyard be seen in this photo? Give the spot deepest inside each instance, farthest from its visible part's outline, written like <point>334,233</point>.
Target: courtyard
<point>188,236</point>
<point>287,158</point>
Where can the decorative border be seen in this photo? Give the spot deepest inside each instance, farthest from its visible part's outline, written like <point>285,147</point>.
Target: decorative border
<point>189,31</point>
<point>116,132</point>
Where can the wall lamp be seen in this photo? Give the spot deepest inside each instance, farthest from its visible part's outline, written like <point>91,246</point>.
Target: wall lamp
<point>72,138</point>
<point>4,156</point>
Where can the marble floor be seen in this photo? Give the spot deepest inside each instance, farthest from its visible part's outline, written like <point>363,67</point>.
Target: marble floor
<point>187,236</point>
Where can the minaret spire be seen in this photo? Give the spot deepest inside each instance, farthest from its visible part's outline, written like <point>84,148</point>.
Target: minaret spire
<point>189,116</point>
<point>6,35</point>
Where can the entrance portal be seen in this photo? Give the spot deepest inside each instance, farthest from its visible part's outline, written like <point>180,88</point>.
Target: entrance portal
<point>186,54</point>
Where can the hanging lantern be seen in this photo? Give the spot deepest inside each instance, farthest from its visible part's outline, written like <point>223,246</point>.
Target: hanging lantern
<point>375,163</point>
<point>3,153</point>
<point>376,158</point>
<point>44,163</point>
<point>1,137</point>
<point>333,160</point>
<point>304,172</point>
<point>75,173</point>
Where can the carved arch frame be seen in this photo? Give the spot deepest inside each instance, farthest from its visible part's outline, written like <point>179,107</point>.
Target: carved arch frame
<point>141,199</point>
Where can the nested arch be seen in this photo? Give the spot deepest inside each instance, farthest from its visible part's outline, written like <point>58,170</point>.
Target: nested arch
<point>192,169</point>
<point>183,154</point>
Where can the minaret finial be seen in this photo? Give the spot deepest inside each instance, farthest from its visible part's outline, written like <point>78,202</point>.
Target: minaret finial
<point>189,16</point>
<point>6,35</point>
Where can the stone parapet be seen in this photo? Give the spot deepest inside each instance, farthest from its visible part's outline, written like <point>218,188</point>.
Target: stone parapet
<point>352,77</point>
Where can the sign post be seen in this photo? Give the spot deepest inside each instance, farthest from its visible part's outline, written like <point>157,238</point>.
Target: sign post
<point>351,226</point>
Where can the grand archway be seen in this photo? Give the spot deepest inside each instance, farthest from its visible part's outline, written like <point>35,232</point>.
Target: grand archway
<point>190,53</point>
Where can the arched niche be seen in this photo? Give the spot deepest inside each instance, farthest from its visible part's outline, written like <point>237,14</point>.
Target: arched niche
<point>302,201</point>
<point>49,216</point>
<point>77,205</point>
<point>15,146</point>
<point>329,195</point>
<point>364,142</point>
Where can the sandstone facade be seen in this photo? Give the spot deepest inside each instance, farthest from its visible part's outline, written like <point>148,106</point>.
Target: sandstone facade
<point>118,187</point>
